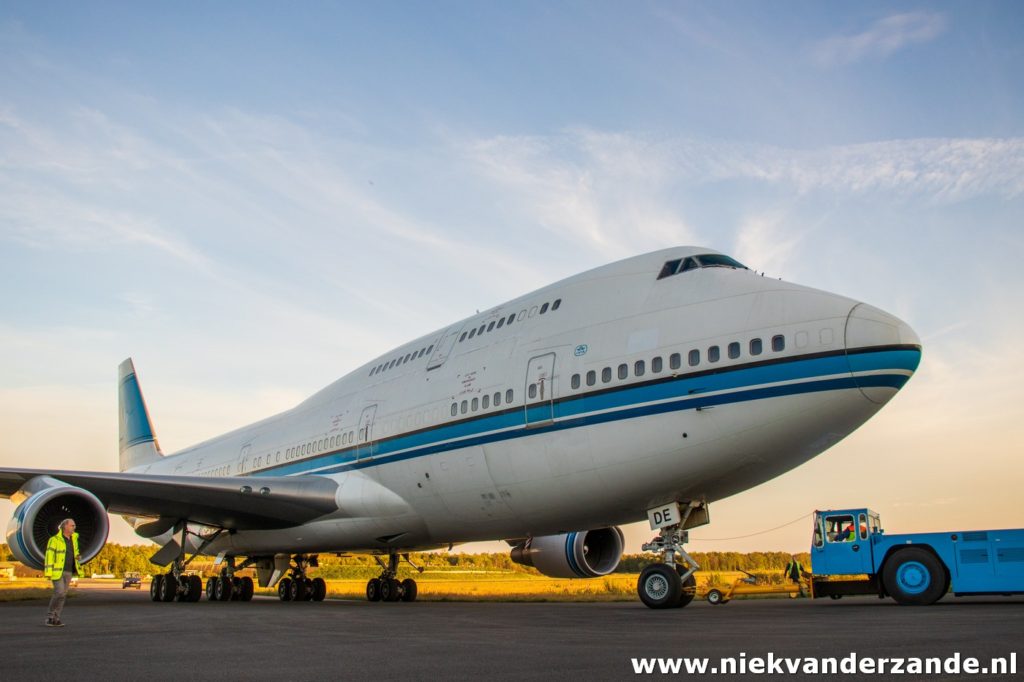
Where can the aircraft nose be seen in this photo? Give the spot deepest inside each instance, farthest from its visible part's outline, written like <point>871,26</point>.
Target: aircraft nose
<point>882,350</point>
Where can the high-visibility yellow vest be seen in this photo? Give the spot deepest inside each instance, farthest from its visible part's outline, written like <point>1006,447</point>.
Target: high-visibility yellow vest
<point>56,551</point>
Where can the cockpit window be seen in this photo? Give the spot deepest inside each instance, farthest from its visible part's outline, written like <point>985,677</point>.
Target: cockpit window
<point>717,260</point>
<point>708,260</point>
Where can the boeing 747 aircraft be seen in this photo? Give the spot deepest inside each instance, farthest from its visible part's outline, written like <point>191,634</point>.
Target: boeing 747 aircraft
<point>649,387</point>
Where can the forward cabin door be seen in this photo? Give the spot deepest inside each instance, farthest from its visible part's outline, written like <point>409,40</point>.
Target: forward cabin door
<point>540,390</point>
<point>364,435</point>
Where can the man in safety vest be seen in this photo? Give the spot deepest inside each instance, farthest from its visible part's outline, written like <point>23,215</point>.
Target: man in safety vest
<point>62,565</point>
<point>794,572</point>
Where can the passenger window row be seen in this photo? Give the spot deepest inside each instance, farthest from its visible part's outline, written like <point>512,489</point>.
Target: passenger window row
<point>675,361</point>
<point>320,445</point>
<point>503,321</point>
<point>484,403</point>
<point>415,355</point>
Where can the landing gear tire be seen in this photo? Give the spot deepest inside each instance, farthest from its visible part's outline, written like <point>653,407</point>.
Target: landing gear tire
<point>168,587</point>
<point>223,589</point>
<point>715,597</point>
<point>409,590</point>
<point>914,576</point>
<point>659,586</point>
<point>284,589</point>
<point>155,587</point>
<point>689,590</point>
<point>195,589</point>
<point>211,584</point>
<point>390,590</point>
<point>246,589</point>
<point>319,591</point>
<point>297,590</point>
<point>373,590</point>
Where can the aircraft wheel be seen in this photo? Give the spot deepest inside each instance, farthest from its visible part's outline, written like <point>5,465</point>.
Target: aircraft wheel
<point>155,586</point>
<point>284,589</point>
<point>298,589</point>
<point>715,597</point>
<point>659,586</point>
<point>390,590</point>
<point>409,590</point>
<point>246,589</point>
<point>689,589</point>
<point>914,576</point>
<point>168,587</point>
<point>211,584</point>
<point>373,589</point>
<point>223,589</point>
<point>319,591</point>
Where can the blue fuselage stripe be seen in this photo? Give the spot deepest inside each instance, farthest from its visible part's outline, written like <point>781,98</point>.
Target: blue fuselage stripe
<point>627,402</point>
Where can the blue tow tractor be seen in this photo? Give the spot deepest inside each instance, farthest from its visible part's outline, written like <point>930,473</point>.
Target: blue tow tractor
<point>852,555</point>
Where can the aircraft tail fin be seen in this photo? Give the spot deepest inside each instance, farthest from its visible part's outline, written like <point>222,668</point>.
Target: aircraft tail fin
<point>136,441</point>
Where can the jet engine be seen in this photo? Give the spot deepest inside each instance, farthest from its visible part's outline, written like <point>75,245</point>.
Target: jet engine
<point>45,503</point>
<point>582,554</point>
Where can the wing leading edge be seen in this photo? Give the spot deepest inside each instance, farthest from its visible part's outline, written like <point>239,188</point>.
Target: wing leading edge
<point>235,503</point>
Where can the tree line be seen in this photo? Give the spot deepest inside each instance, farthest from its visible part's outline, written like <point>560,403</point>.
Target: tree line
<point>118,559</point>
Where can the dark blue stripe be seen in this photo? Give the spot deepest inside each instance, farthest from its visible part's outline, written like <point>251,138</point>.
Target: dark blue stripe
<point>137,428</point>
<point>683,393</point>
<point>570,555</point>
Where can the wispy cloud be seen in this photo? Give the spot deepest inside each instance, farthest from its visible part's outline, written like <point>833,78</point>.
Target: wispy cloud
<point>884,37</point>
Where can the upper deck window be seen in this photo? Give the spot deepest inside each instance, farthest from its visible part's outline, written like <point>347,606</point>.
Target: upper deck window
<point>708,260</point>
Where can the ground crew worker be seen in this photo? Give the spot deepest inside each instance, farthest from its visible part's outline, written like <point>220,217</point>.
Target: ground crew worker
<point>794,571</point>
<point>62,565</point>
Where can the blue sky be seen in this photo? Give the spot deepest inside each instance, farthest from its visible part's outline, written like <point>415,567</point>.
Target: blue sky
<point>252,199</point>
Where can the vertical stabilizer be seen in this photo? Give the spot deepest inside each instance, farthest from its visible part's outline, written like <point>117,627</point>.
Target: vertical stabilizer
<point>136,441</point>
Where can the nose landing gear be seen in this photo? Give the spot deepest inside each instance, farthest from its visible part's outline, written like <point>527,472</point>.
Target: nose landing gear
<point>670,583</point>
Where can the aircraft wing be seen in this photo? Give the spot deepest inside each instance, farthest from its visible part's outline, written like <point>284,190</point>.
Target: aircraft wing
<point>236,503</point>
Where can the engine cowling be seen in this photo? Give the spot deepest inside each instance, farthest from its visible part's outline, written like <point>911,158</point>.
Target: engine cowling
<point>582,554</point>
<point>47,502</point>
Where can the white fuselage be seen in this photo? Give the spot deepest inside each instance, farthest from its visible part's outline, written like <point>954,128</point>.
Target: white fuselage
<point>632,392</point>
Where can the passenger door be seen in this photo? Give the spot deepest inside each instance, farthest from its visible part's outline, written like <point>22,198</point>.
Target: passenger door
<point>364,434</point>
<point>540,390</point>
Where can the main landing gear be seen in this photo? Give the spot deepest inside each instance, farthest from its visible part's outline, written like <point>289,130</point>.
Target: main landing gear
<point>671,583</point>
<point>387,587</point>
<point>297,586</point>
